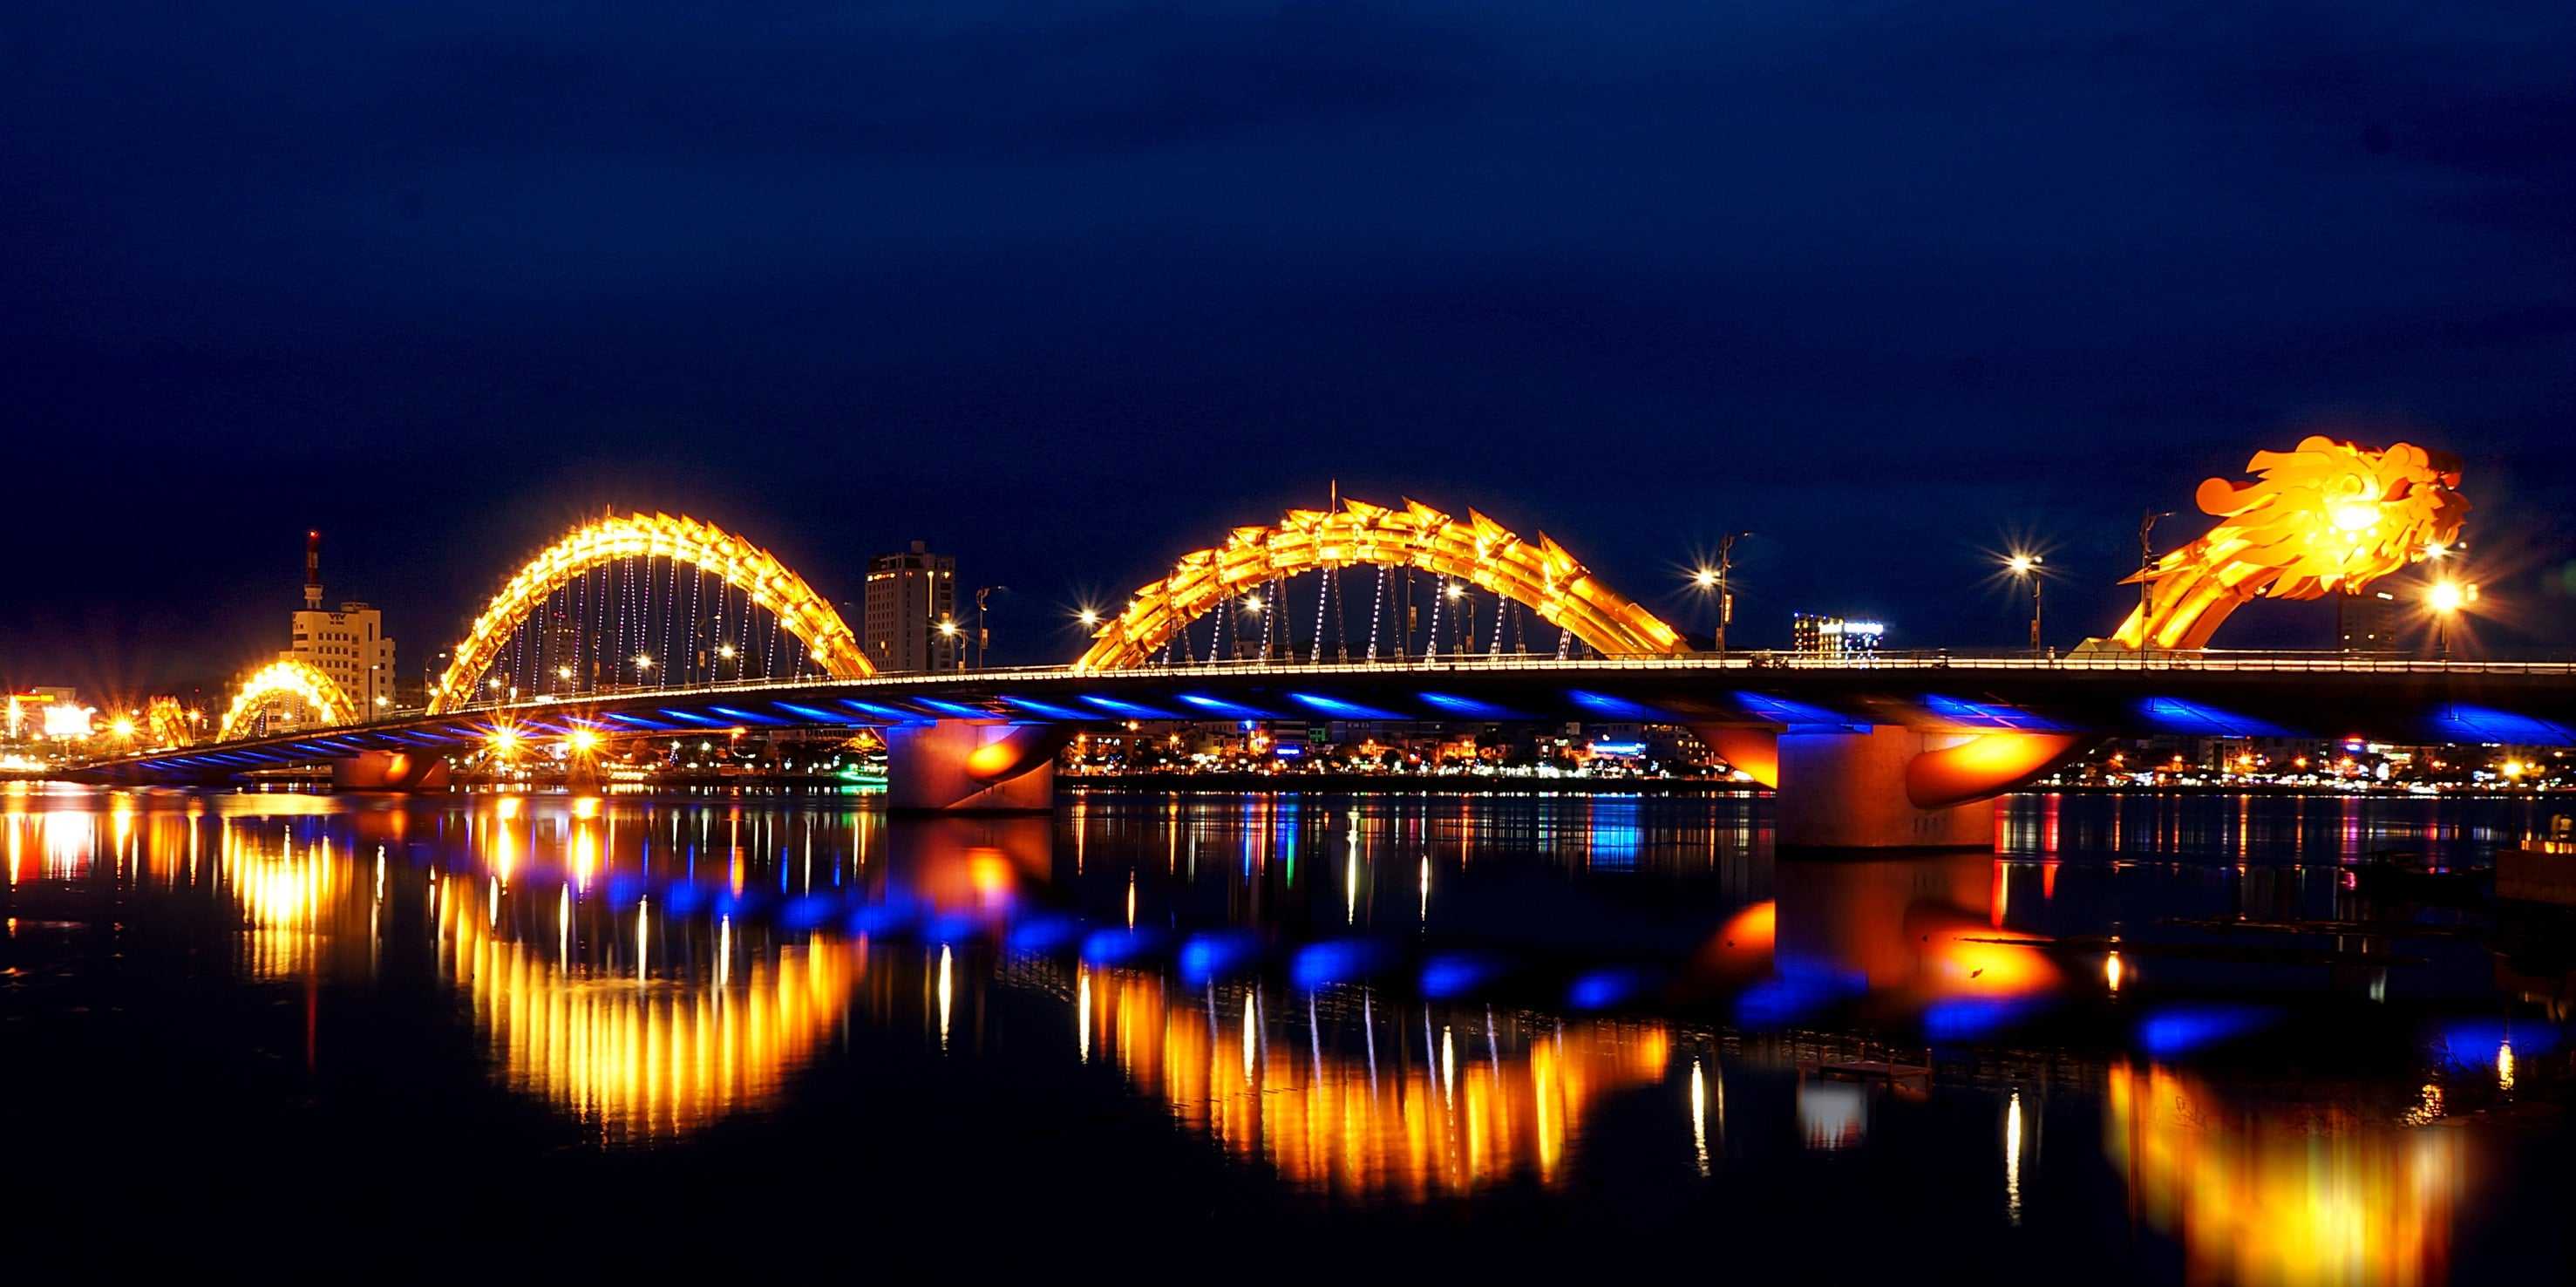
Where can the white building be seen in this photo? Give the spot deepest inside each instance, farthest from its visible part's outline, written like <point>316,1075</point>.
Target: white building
<point>908,596</point>
<point>350,646</point>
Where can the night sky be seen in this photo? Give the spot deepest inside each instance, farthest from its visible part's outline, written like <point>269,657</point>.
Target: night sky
<point>1068,289</point>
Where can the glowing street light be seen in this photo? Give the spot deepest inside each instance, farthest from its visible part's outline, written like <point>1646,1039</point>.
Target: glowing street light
<point>643,661</point>
<point>2446,599</point>
<point>123,728</point>
<point>2027,566</point>
<point>1089,617</point>
<point>582,741</point>
<point>1252,603</point>
<point>1714,580</point>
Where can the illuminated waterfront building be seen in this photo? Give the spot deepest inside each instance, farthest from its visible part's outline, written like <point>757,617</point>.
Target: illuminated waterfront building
<point>909,595</point>
<point>1812,635</point>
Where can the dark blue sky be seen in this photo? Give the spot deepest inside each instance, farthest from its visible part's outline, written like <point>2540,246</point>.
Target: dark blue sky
<point>1070,288</point>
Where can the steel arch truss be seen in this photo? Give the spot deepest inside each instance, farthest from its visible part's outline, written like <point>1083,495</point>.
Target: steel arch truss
<point>1536,573</point>
<point>283,679</point>
<point>742,565</point>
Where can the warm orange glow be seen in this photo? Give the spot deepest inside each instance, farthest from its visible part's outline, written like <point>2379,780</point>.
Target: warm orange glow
<point>642,1062</point>
<point>280,680</point>
<point>992,757</point>
<point>1743,945</point>
<point>1449,1121</point>
<point>1982,767</point>
<point>766,582</point>
<point>1538,574</point>
<point>1753,752</point>
<point>2263,1196</point>
<point>2329,517</point>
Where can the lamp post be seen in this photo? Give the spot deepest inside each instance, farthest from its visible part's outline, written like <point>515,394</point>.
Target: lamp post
<point>2027,566</point>
<point>1725,601</point>
<point>948,630</point>
<point>2446,598</point>
<point>983,637</point>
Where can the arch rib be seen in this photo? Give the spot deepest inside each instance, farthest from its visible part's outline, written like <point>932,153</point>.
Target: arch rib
<point>742,565</point>
<point>1537,573</point>
<point>286,678</point>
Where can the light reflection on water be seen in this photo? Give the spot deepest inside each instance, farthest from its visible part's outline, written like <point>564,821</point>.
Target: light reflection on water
<point>647,970</point>
<point>1354,1103</point>
<point>2289,1194</point>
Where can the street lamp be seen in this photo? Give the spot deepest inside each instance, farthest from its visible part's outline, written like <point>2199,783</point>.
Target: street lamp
<point>1707,578</point>
<point>1089,617</point>
<point>2027,566</point>
<point>2446,598</point>
<point>948,630</point>
<point>983,637</point>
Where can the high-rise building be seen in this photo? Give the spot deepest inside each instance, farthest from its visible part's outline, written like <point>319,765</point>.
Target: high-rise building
<point>2369,620</point>
<point>910,596</point>
<point>1811,635</point>
<point>349,645</point>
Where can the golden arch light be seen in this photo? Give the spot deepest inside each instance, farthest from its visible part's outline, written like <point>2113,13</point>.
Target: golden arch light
<point>2327,517</point>
<point>1536,573</point>
<point>766,582</point>
<point>281,680</point>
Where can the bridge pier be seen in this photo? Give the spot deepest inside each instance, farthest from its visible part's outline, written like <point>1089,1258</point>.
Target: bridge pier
<point>388,771</point>
<point>1891,787</point>
<point>967,765</point>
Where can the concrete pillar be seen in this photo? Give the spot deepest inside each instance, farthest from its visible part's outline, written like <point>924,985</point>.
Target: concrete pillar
<point>388,771</point>
<point>970,764</point>
<point>1846,789</point>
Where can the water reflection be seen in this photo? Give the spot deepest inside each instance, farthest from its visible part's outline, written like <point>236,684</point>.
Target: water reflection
<point>1346,1099</point>
<point>650,1056</point>
<point>2287,1193</point>
<point>647,969</point>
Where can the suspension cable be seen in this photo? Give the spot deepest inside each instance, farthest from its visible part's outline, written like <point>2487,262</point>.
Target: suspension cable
<point>1431,647</point>
<point>1377,607</point>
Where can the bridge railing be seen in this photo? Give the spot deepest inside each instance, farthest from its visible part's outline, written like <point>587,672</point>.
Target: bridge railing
<point>2277,661</point>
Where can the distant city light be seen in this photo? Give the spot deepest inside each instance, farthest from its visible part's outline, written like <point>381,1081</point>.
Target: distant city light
<point>67,722</point>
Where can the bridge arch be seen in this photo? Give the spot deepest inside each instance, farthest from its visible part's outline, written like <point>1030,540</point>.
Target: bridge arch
<point>287,678</point>
<point>1536,573</point>
<point>763,580</point>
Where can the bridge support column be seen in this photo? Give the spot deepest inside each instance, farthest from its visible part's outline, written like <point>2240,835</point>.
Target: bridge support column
<point>969,764</point>
<point>1845,789</point>
<point>388,771</point>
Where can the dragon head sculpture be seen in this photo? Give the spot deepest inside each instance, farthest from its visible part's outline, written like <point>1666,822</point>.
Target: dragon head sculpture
<point>2327,517</point>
